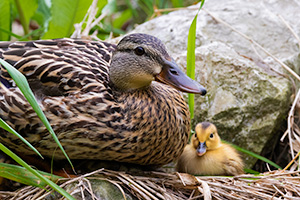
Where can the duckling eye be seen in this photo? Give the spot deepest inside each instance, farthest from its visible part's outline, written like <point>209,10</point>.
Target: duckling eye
<point>139,51</point>
<point>211,135</point>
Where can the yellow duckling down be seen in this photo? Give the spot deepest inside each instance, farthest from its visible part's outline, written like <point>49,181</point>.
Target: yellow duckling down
<point>207,155</point>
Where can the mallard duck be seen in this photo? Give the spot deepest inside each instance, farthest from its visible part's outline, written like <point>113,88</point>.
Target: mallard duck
<point>104,102</point>
<point>206,154</point>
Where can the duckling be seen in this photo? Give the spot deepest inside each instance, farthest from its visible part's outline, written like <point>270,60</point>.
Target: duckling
<point>207,155</point>
<point>104,102</point>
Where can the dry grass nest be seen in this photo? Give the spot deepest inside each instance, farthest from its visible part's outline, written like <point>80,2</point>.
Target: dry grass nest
<point>158,185</point>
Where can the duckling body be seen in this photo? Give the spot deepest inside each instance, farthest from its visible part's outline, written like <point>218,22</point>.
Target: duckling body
<point>101,100</point>
<point>207,155</point>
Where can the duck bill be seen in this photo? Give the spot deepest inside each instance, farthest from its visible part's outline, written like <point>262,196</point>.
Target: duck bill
<point>172,75</point>
<point>201,149</point>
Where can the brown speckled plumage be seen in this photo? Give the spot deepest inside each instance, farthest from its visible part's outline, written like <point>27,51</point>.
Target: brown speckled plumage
<point>91,116</point>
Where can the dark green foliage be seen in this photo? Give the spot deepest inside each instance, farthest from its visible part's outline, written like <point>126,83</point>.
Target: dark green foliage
<point>48,19</point>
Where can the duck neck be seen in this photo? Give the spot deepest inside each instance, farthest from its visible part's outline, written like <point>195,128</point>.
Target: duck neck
<point>147,120</point>
<point>156,109</point>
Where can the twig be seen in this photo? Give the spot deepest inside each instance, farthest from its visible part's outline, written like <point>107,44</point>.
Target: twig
<point>150,189</point>
<point>183,183</point>
<point>81,189</point>
<point>92,12</point>
<point>96,21</point>
<point>292,161</point>
<point>91,22</point>
<point>290,120</point>
<point>138,186</point>
<point>284,135</point>
<point>128,183</point>
<point>173,9</point>
<point>206,189</point>
<point>290,28</point>
<point>91,189</point>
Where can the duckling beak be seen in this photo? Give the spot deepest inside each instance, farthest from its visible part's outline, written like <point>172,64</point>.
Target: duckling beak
<point>172,75</point>
<point>201,149</point>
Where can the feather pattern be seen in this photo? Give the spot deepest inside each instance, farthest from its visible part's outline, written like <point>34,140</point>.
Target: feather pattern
<point>92,118</point>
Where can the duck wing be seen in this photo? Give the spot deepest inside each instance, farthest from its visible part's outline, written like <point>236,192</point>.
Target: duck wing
<point>70,80</point>
<point>60,66</point>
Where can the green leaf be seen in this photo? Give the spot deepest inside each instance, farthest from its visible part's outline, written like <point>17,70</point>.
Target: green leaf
<point>134,13</point>
<point>177,3</point>
<point>22,175</point>
<point>190,69</point>
<point>101,4</point>
<point>147,6</point>
<point>42,15</point>
<point>43,179</point>
<point>23,85</point>
<point>65,13</point>
<point>26,9</point>
<point>6,127</point>
<point>110,7</point>
<point>122,19</point>
<point>5,20</point>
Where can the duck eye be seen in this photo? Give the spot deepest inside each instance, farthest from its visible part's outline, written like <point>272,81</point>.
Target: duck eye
<point>139,51</point>
<point>211,135</point>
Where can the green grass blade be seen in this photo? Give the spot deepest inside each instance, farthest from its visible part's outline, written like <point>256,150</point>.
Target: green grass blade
<point>22,175</point>
<point>147,7</point>
<point>5,22</point>
<point>23,85</point>
<point>65,13</point>
<point>29,35</point>
<point>251,171</point>
<point>6,127</point>
<point>36,173</point>
<point>26,9</point>
<point>10,33</point>
<point>190,69</point>
<point>254,155</point>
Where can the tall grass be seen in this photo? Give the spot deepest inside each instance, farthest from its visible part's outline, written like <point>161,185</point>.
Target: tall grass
<point>191,45</point>
<point>23,85</point>
<point>42,180</point>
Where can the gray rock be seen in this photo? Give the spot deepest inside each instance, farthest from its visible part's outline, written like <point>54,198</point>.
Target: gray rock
<point>246,99</point>
<point>92,189</point>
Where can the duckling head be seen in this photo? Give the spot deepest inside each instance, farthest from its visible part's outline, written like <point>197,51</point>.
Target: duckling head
<point>140,59</point>
<point>205,138</point>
